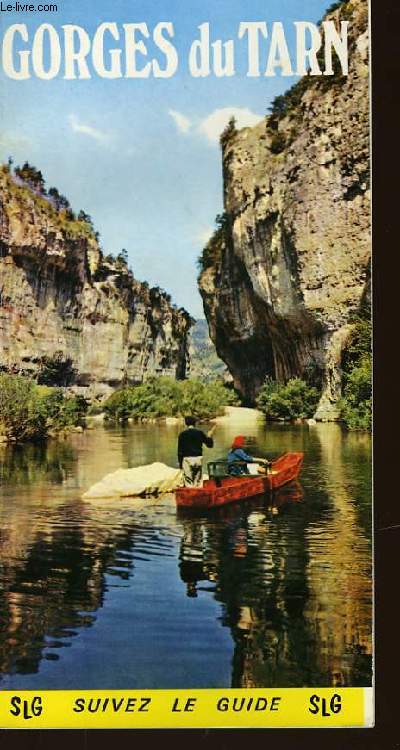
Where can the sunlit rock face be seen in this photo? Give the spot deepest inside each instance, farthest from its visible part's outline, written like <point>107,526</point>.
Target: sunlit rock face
<point>290,268</point>
<point>60,294</point>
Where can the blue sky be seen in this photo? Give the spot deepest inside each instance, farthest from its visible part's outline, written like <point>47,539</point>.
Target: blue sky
<point>142,156</point>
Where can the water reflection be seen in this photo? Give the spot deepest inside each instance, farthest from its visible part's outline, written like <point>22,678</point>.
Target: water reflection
<point>261,594</point>
<point>36,463</point>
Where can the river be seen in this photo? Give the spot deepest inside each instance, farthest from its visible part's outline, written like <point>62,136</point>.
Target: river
<point>129,594</point>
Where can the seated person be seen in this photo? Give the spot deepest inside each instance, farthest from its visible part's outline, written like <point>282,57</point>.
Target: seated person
<point>238,459</point>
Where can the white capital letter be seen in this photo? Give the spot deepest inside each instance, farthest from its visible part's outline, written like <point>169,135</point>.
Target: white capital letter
<point>98,52</point>
<point>253,28</point>
<point>78,56</point>
<point>8,49</point>
<point>339,43</point>
<point>167,48</point>
<point>304,54</point>
<point>278,52</point>
<point>37,52</point>
<point>132,47</point>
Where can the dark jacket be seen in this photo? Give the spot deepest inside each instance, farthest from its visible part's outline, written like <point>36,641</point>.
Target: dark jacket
<point>190,443</point>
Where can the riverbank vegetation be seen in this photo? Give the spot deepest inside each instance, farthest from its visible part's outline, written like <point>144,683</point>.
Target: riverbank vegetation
<point>165,397</point>
<point>292,400</point>
<point>356,404</point>
<point>29,411</point>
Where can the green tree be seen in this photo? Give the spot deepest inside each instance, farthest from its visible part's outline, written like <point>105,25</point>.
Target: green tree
<point>29,411</point>
<point>228,132</point>
<point>122,258</point>
<point>357,396</point>
<point>165,397</point>
<point>83,216</point>
<point>60,201</point>
<point>31,176</point>
<point>20,417</point>
<point>291,400</point>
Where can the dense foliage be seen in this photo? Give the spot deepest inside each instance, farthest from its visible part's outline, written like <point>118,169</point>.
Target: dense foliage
<point>165,397</point>
<point>30,412</point>
<point>56,369</point>
<point>31,176</point>
<point>356,404</point>
<point>213,250</point>
<point>292,400</point>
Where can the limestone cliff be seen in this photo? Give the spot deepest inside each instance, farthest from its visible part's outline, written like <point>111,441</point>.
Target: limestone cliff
<point>204,362</point>
<point>289,265</point>
<point>60,294</point>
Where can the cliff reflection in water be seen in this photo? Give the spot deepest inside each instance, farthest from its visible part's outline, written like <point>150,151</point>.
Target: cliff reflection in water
<point>52,564</point>
<point>256,595</point>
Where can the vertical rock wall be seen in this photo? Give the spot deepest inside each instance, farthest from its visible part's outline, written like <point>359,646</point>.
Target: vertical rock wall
<point>59,294</point>
<point>289,267</point>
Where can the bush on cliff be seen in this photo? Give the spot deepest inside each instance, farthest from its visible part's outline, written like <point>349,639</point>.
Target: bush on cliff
<point>213,250</point>
<point>278,143</point>
<point>292,400</point>
<point>165,397</point>
<point>30,412</point>
<point>356,404</point>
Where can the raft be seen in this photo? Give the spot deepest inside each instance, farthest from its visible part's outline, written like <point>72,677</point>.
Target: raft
<point>220,491</point>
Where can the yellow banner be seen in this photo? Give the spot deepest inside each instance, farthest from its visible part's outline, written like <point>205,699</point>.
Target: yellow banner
<point>150,709</point>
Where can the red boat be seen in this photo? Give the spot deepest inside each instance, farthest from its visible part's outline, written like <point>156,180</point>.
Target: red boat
<point>221,490</point>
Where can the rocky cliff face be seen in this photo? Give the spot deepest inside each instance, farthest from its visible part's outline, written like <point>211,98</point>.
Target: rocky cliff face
<point>204,362</point>
<point>60,294</point>
<point>289,265</point>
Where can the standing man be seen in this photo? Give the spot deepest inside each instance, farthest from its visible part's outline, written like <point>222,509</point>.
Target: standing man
<point>190,451</point>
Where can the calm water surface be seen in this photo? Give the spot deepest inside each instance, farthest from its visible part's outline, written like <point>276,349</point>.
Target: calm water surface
<point>131,594</point>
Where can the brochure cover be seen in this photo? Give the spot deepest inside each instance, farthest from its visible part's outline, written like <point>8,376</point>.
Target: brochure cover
<point>185,384</point>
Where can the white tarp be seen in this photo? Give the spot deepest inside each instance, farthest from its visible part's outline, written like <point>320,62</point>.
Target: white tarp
<point>152,479</point>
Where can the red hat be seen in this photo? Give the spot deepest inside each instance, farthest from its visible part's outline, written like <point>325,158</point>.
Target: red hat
<point>238,441</point>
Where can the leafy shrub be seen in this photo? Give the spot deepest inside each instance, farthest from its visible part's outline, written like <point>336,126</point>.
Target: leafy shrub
<point>292,400</point>
<point>205,400</point>
<point>19,415</point>
<point>357,397</point>
<point>356,404</point>
<point>56,369</point>
<point>60,410</point>
<point>162,397</point>
<point>358,345</point>
<point>29,411</point>
<point>278,143</point>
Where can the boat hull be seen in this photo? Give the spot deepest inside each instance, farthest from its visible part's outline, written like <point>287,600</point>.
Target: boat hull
<point>213,494</point>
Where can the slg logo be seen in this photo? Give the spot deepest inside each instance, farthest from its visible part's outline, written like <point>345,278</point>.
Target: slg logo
<point>26,708</point>
<point>320,705</point>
